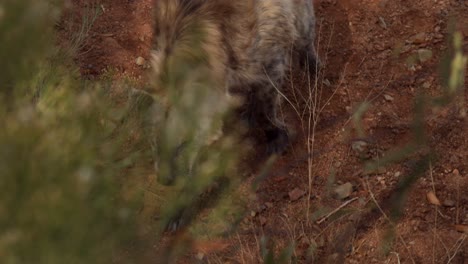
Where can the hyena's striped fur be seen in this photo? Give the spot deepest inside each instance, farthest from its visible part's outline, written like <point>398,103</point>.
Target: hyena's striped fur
<point>250,46</point>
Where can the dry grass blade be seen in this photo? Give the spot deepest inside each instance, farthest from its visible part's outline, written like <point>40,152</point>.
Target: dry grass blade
<point>336,210</point>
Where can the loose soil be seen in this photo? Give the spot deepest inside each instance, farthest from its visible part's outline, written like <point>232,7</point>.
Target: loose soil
<point>369,49</point>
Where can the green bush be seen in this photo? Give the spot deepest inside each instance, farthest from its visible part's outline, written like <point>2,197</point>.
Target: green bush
<point>61,199</point>
<point>67,149</point>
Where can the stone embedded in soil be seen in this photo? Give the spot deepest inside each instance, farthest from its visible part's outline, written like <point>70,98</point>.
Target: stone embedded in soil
<point>388,97</point>
<point>359,146</point>
<point>426,85</point>
<point>418,38</point>
<point>140,61</point>
<point>200,256</point>
<point>449,203</point>
<point>432,198</point>
<point>424,54</point>
<point>295,194</point>
<point>343,191</point>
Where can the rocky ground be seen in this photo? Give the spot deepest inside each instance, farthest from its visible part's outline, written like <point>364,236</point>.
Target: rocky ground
<point>379,51</point>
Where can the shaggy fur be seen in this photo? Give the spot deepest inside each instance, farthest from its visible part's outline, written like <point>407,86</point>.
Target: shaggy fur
<point>250,45</point>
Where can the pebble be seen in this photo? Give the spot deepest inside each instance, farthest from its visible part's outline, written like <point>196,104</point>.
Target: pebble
<point>449,203</point>
<point>418,38</point>
<point>359,146</point>
<point>388,97</point>
<point>140,61</point>
<point>343,191</point>
<point>426,85</point>
<point>439,36</point>
<point>432,198</point>
<point>424,54</point>
<point>200,256</point>
<point>295,194</point>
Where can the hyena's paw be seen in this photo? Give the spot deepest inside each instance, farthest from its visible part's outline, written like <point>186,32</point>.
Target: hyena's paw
<point>313,63</point>
<point>277,140</point>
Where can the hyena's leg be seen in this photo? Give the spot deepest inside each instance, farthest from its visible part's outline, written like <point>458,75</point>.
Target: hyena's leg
<point>261,109</point>
<point>310,60</point>
<point>264,105</point>
<point>276,131</point>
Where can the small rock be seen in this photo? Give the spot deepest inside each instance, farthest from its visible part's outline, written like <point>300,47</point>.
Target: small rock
<point>269,205</point>
<point>449,203</point>
<point>397,174</point>
<point>418,38</point>
<point>456,172</point>
<point>140,61</point>
<point>424,54</point>
<point>432,198</point>
<point>388,97</point>
<point>200,255</point>
<point>462,113</point>
<point>343,191</point>
<point>253,213</point>
<point>426,85</point>
<point>439,36</point>
<point>359,146</point>
<point>295,194</point>
<point>379,47</point>
<point>405,48</point>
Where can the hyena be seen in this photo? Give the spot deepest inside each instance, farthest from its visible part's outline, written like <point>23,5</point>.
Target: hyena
<point>250,45</point>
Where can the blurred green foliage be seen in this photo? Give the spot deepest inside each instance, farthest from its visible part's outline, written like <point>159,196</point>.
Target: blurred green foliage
<point>67,148</point>
<point>60,176</point>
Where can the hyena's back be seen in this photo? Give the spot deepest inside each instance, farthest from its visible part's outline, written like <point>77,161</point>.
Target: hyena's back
<point>250,45</point>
